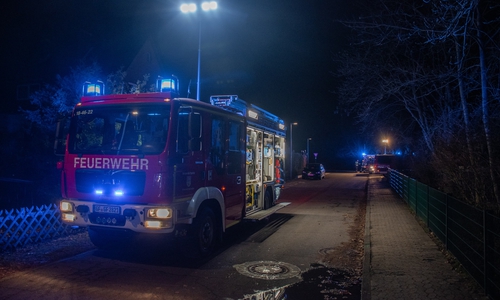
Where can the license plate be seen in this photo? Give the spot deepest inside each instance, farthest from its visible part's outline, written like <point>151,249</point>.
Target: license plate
<point>107,209</point>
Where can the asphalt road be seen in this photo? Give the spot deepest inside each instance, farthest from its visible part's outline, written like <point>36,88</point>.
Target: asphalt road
<point>257,260</point>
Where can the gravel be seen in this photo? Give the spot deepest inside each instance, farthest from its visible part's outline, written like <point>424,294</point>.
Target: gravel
<point>33,255</point>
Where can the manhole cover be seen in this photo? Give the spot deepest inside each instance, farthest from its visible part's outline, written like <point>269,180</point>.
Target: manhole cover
<point>269,270</point>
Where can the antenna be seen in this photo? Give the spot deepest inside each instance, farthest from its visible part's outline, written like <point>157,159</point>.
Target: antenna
<point>189,88</point>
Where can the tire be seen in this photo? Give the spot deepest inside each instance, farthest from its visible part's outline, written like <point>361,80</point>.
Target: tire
<point>205,232</point>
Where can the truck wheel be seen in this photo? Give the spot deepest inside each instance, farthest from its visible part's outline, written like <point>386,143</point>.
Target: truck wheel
<point>204,232</point>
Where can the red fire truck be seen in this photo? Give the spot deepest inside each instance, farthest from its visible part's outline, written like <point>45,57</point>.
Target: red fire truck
<point>156,164</point>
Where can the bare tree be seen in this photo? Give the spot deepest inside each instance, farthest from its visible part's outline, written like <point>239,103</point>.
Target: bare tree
<point>413,60</point>
<point>391,71</point>
<point>473,26</point>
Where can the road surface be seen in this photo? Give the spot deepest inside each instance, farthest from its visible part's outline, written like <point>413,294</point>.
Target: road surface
<point>262,260</point>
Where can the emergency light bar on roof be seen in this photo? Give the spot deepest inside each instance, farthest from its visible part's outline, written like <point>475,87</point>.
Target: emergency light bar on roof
<point>255,115</point>
<point>167,85</point>
<point>93,89</point>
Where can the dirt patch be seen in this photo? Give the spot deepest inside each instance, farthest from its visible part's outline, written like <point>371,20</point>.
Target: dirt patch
<point>34,255</point>
<point>340,271</point>
<point>349,255</point>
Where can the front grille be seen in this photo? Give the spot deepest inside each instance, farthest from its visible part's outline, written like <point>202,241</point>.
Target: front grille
<point>132,183</point>
<point>107,219</point>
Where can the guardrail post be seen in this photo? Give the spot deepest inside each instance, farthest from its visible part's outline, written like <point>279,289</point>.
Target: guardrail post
<point>408,189</point>
<point>446,224</point>
<point>427,205</point>
<point>416,198</point>
<point>485,260</point>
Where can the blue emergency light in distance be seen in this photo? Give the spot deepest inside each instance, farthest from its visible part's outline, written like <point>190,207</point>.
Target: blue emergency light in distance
<point>93,89</point>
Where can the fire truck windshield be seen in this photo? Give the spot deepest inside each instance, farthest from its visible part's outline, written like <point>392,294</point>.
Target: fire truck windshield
<point>119,129</point>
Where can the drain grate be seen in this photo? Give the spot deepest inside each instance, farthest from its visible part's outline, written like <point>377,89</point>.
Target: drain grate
<point>269,270</point>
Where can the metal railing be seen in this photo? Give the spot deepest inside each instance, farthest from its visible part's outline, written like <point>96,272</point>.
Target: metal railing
<point>470,234</point>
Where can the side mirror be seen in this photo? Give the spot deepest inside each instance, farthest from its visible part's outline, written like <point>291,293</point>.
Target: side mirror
<point>61,136</point>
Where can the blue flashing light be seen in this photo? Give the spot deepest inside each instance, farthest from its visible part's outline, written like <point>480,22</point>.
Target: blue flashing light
<point>167,85</point>
<point>118,193</point>
<point>99,192</point>
<point>93,89</point>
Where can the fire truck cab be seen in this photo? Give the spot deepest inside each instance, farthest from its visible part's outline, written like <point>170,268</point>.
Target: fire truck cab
<point>154,163</point>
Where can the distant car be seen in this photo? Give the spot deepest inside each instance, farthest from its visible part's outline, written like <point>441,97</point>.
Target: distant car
<point>313,171</point>
<point>383,162</point>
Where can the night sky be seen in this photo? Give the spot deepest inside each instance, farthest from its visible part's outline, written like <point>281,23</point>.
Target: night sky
<point>275,54</point>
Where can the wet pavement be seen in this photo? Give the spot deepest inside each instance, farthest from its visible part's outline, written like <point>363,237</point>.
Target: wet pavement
<point>401,260</point>
<point>318,283</point>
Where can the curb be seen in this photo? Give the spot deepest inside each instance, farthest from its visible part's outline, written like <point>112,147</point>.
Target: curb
<point>365,285</point>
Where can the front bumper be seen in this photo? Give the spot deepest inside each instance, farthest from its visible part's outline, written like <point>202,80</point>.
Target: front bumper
<point>137,218</point>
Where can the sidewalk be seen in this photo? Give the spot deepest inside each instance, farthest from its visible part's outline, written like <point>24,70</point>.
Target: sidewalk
<point>401,259</point>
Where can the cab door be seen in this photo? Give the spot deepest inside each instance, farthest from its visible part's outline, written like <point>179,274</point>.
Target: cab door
<point>189,166</point>
<point>235,170</point>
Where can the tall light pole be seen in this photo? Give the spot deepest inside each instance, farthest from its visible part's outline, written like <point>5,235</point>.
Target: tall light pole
<point>291,148</point>
<point>308,139</point>
<point>385,141</point>
<point>193,8</point>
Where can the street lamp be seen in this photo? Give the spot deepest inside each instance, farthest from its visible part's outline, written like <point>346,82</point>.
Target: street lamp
<point>385,141</point>
<point>291,150</point>
<point>192,8</point>
<point>307,161</point>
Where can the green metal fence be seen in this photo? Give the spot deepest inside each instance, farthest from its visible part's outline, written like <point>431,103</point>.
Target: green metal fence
<point>470,234</point>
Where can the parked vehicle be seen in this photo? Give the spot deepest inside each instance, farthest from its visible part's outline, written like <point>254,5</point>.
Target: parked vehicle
<point>155,164</point>
<point>378,163</point>
<point>313,171</point>
<point>383,162</point>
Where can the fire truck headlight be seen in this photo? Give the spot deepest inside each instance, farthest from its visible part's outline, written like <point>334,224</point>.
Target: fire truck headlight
<point>68,217</point>
<point>160,213</point>
<point>157,224</point>
<point>66,206</point>
<point>153,224</point>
